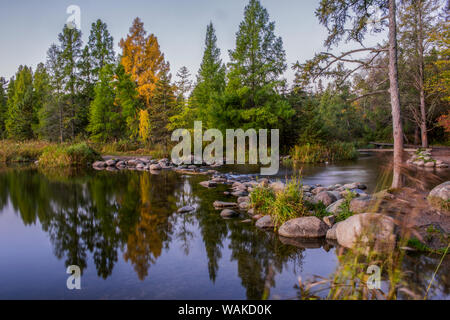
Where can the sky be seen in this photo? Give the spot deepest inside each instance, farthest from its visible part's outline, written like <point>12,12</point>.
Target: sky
<point>29,27</point>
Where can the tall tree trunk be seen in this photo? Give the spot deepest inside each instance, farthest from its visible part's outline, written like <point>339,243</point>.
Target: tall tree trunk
<point>420,47</point>
<point>395,96</point>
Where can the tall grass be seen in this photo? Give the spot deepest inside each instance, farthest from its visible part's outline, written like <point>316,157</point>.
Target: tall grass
<point>124,147</point>
<point>13,151</point>
<point>318,153</point>
<point>63,155</point>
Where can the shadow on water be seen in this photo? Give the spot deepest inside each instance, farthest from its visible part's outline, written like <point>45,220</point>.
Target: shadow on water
<point>128,219</point>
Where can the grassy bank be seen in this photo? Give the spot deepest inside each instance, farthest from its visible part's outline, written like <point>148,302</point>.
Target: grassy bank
<point>65,155</point>
<point>320,153</point>
<point>12,151</point>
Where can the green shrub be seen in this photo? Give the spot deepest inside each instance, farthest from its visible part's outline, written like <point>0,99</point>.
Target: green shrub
<point>345,211</point>
<point>262,199</point>
<point>68,155</point>
<point>317,153</point>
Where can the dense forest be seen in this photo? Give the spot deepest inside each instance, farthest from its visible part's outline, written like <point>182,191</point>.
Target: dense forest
<point>88,92</point>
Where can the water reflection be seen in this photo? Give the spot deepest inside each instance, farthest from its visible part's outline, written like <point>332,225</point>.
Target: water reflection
<point>110,217</point>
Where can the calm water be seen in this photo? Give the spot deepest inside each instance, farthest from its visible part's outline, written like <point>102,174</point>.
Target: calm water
<point>122,229</point>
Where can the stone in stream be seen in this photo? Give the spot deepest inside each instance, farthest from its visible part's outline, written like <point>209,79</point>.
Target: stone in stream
<point>243,199</point>
<point>251,211</point>
<point>186,209</point>
<point>110,163</point>
<point>228,213</point>
<point>277,186</point>
<point>329,220</point>
<point>326,197</point>
<point>132,162</point>
<point>304,227</point>
<point>367,229</point>
<point>221,204</point>
<point>439,197</point>
<point>244,205</point>
<point>334,208</point>
<point>240,193</point>
<point>362,204</point>
<point>265,222</point>
<point>156,166</point>
<point>257,216</point>
<point>99,164</point>
<point>331,233</point>
<point>208,184</point>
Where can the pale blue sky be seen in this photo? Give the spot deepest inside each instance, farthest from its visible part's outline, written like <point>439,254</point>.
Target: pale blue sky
<point>28,27</point>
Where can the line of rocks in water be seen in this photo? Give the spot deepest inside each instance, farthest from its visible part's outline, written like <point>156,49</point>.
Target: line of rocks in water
<point>152,165</point>
<point>347,233</point>
<point>424,159</point>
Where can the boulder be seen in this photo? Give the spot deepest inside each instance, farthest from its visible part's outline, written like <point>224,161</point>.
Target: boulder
<point>265,222</point>
<point>334,208</point>
<point>244,205</point>
<point>361,204</point>
<point>318,190</point>
<point>329,220</point>
<point>228,213</point>
<point>367,229</point>
<point>277,186</point>
<point>243,199</point>
<point>111,163</point>
<point>441,191</point>
<point>208,184</point>
<point>186,209</point>
<point>221,204</point>
<point>326,197</point>
<point>304,227</point>
<point>331,233</point>
<point>429,164</point>
<point>155,166</point>
<point>99,164</point>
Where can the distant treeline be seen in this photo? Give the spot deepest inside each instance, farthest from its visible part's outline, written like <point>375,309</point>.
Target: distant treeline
<point>88,92</point>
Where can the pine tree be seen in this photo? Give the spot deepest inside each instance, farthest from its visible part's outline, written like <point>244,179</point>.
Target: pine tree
<point>101,47</point>
<point>184,84</point>
<point>3,106</point>
<point>42,90</point>
<point>105,119</point>
<point>20,106</point>
<point>163,106</point>
<point>70,53</point>
<point>257,64</point>
<point>53,116</point>
<point>210,80</point>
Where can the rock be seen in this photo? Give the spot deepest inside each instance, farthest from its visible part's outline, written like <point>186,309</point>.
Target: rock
<point>429,164</point>
<point>244,205</point>
<point>246,221</point>
<point>419,163</point>
<point>264,182</point>
<point>265,222</point>
<point>251,211</point>
<point>221,204</point>
<point>318,190</point>
<point>331,233</point>
<point>156,166</point>
<point>361,204</point>
<point>186,209</point>
<point>243,199</point>
<point>121,164</point>
<point>326,197</point>
<point>208,184</point>
<point>228,213</point>
<point>304,227</point>
<point>362,186</point>
<point>337,194</point>
<point>307,188</point>
<point>240,193</point>
<point>440,195</point>
<point>329,220</point>
<point>219,180</point>
<point>351,185</point>
<point>111,163</point>
<point>155,172</point>
<point>144,160</point>
<point>334,208</point>
<point>99,164</point>
<point>277,186</point>
<point>367,229</point>
<point>140,166</point>
<point>132,162</point>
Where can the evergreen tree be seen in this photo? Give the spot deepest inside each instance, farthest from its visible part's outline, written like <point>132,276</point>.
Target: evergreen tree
<point>210,80</point>
<point>20,106</point>
<point>42,90</point>
<point>3,106</point>
<point>184,84</point>
<point>105,119</point>
<point>256,67</point>
<point>101,47</point>
<point>163,104</point>
<point>70,53</point>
